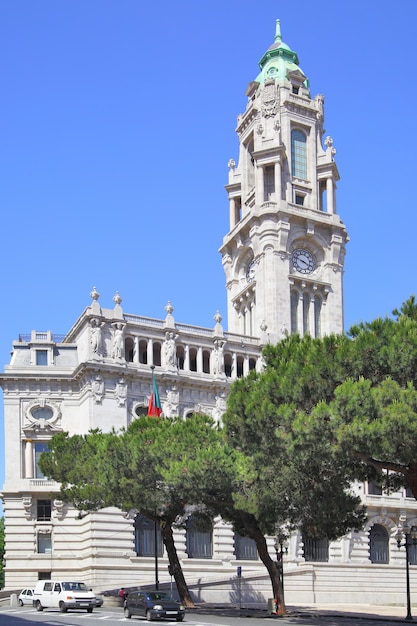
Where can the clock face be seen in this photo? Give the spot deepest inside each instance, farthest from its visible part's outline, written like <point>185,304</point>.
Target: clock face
<point>303,261</point>
<point>250,271</point>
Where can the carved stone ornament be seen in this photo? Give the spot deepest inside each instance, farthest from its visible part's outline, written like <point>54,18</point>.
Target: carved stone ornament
<point>98,389</point>
<point>94,294</point>
<point>27,505</point>
<point>231,164</point>
<point>120,392</point>
<point>170,406</point>
<point>59,509</point>
<point>269,99</point>
<point>42,413</point>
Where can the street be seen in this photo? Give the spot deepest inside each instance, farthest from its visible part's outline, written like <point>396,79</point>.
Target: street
<point>28,616</point>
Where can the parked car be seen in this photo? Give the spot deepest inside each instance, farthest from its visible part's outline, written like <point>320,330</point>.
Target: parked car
<point>153,604</point>
<point>25,597</point>
<point>63,595</point>
<point>99,600</point>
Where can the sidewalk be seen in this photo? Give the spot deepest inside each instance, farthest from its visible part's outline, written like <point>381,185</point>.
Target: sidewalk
<point>365,611</point>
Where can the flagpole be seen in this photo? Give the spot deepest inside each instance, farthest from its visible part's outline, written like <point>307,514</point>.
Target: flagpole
<point>155,523</point>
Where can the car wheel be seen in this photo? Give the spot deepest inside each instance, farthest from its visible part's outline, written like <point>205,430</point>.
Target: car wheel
<point>62,607</point>
<point>38,605</point>
<point>180,618</point>
<point>20,602</point>
<point>90,609</point>
<point>149,616</point>
<point>127,613</point>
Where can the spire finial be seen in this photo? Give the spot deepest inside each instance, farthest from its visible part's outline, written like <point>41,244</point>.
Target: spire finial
<point>278,36</point>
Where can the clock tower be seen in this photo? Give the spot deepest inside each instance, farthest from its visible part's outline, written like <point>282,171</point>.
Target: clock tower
<point>283,256</point>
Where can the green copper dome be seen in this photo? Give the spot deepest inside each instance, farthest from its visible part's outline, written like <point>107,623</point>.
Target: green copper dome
<point>279,60</point>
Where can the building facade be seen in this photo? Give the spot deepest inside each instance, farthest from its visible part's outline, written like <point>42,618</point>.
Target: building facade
<point>283,259</point>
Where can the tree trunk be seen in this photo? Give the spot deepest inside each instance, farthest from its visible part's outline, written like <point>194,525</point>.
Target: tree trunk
<point>175,565</point>
<point>273,572</point>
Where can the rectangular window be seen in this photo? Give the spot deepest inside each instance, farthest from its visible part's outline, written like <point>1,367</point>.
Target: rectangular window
<point>269,183</point>
<point>41,357</point>
<point>299,199</point>
<point>44,543</point>
<point>44,575</point>
<point>39,447</point>
<point>298,154</point>
<point>44,508</point>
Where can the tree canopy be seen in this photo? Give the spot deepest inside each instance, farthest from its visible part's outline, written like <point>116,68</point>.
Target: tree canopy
<point>323,413</point>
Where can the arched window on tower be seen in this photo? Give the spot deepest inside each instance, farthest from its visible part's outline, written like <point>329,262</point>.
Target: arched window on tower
<point>180,357</point>
<point>143,351</point>
<point>378,544</point>
<point>298,154</point>
<point>156,347</point>
<point>206,362</point>
<point>228,364</point>
<point>193,359</point>
<point>129,349</point>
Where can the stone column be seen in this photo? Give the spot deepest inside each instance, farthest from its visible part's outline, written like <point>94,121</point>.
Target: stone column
<point>259,185</point>
<point>199,360</point>
<point>150,352</point>
<point>187,358</point>
<point>330,195</point>
<point>300,315</point>
<point>28,458</point>
<point>311,316</point>
<point>136,350</point>
<point>277,177</point>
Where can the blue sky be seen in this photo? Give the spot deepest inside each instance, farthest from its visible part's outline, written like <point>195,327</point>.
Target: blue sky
<point>117,121</point>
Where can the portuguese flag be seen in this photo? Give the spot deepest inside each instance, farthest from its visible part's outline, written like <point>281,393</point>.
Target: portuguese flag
<point>155,408</point>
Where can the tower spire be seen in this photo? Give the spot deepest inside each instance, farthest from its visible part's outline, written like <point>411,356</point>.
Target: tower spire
<point>278,36</point>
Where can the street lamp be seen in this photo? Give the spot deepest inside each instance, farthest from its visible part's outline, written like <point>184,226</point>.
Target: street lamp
<point>410,538</point>
<point>280,548</point>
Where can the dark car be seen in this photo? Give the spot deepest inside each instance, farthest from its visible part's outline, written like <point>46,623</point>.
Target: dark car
<point>153,604</point>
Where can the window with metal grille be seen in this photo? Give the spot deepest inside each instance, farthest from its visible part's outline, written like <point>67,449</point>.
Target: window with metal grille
<point>145,537</point>
<point>378,544</point>
<point>199,542</point>
<point>245,548</point>
<point>316,549</point>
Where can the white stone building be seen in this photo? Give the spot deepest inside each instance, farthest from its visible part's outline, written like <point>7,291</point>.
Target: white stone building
<point>283,259</point>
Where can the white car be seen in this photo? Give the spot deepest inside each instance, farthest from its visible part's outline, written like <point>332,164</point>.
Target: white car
<point>25,597</point>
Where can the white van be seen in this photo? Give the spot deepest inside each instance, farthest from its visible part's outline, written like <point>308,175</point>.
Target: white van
<point>63,595</point>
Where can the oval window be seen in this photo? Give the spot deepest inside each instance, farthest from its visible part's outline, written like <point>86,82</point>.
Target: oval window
<point>42,413</point>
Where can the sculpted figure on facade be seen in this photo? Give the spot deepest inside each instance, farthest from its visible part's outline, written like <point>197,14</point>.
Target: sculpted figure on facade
<point>218,357</point>
<point>96,337</point>
<point>117,345</point>
<point>169,349</point>
<point>219,408</point>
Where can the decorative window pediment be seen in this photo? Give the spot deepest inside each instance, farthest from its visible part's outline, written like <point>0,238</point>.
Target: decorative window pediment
<point>42,414</point>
